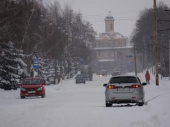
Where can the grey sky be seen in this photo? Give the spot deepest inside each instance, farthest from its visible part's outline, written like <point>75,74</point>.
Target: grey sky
<point>125,12</point>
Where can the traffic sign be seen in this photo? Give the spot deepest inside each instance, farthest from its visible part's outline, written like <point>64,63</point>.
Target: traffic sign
<point>35,66</point>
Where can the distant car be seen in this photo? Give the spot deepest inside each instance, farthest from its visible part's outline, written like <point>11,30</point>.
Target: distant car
<point>124,89</point>
<point>32,86</point>
<point>117,69</point>
<point>103,73</point>
<point>80,79</point>
<point>116,73</point>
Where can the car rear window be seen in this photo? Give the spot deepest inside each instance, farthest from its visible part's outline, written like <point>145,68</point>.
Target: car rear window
<point>123,80</point>
<point>80,76</point>
<point>31,82</point>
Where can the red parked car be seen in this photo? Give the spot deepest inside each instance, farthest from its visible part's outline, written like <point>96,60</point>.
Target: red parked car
<point>32,86</point>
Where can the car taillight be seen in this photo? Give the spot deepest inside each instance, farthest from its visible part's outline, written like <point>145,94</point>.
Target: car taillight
<point>111,87</point>
<point>135,86</point>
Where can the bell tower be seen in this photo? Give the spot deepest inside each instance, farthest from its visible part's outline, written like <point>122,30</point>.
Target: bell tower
<point>109,23</point>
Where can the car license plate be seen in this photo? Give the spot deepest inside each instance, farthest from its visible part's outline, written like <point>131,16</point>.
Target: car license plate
<point>123,89</point>
<point>31,91</point>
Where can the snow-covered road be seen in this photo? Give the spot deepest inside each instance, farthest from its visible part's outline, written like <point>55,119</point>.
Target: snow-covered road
<point>83,105</point>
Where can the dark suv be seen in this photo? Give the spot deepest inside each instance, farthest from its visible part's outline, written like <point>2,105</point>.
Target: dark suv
<point>80,79</point>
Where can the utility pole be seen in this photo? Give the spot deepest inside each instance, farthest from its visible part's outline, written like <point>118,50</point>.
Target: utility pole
<point>156,45</point>
<point>145,63</point>
<point>161,57</point>
<point>135,59</point>
<point>169,57</point>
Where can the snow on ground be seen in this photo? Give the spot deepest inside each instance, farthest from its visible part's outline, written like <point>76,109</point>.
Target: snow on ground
<point>83,105</point>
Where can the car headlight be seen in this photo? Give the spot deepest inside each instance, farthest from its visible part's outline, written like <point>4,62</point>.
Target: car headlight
<point>23,89</point>
<point>39,89</point>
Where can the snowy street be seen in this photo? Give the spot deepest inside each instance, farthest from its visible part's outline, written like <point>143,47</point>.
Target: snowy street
<point>83,105</point>
<point>84,63</point>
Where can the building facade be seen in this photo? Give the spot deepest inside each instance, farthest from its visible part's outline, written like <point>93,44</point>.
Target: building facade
<point>112,50</point>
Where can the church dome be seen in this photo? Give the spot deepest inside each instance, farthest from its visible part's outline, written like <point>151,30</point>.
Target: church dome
<point>109,17</point>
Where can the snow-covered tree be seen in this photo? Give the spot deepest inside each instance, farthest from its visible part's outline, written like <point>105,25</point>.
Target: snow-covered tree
<point>46,68</point>
<point>11,64</point>
<point>144,40</point>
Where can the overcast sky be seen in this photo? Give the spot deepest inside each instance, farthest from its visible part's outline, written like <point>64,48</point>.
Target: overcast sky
<point>125,12</point>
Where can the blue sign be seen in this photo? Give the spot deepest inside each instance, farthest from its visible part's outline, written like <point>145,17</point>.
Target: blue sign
<point>35,66</point>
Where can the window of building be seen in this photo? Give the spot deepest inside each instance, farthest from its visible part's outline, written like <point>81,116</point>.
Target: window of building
<point>111,27</point>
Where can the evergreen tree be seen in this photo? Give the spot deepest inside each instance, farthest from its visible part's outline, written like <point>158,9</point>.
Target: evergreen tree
<point>11,65</point>
<point>46,68</point>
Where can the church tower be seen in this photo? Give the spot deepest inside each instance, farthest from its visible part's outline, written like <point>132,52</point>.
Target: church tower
<point>109,24</point>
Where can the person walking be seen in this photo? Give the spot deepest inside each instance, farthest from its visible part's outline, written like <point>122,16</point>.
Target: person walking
<point>147,76</point>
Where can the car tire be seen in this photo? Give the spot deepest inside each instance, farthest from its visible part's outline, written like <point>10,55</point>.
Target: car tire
<point>140,103</point>
<point>22,97</point>
<point>43,95</point>
<point>108,104</point>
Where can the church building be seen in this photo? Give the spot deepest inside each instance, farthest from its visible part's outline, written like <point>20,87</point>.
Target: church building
<point>112,50</point>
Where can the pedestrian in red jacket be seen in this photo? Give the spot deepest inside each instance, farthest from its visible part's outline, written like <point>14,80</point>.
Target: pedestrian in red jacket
<point>147,76</point>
